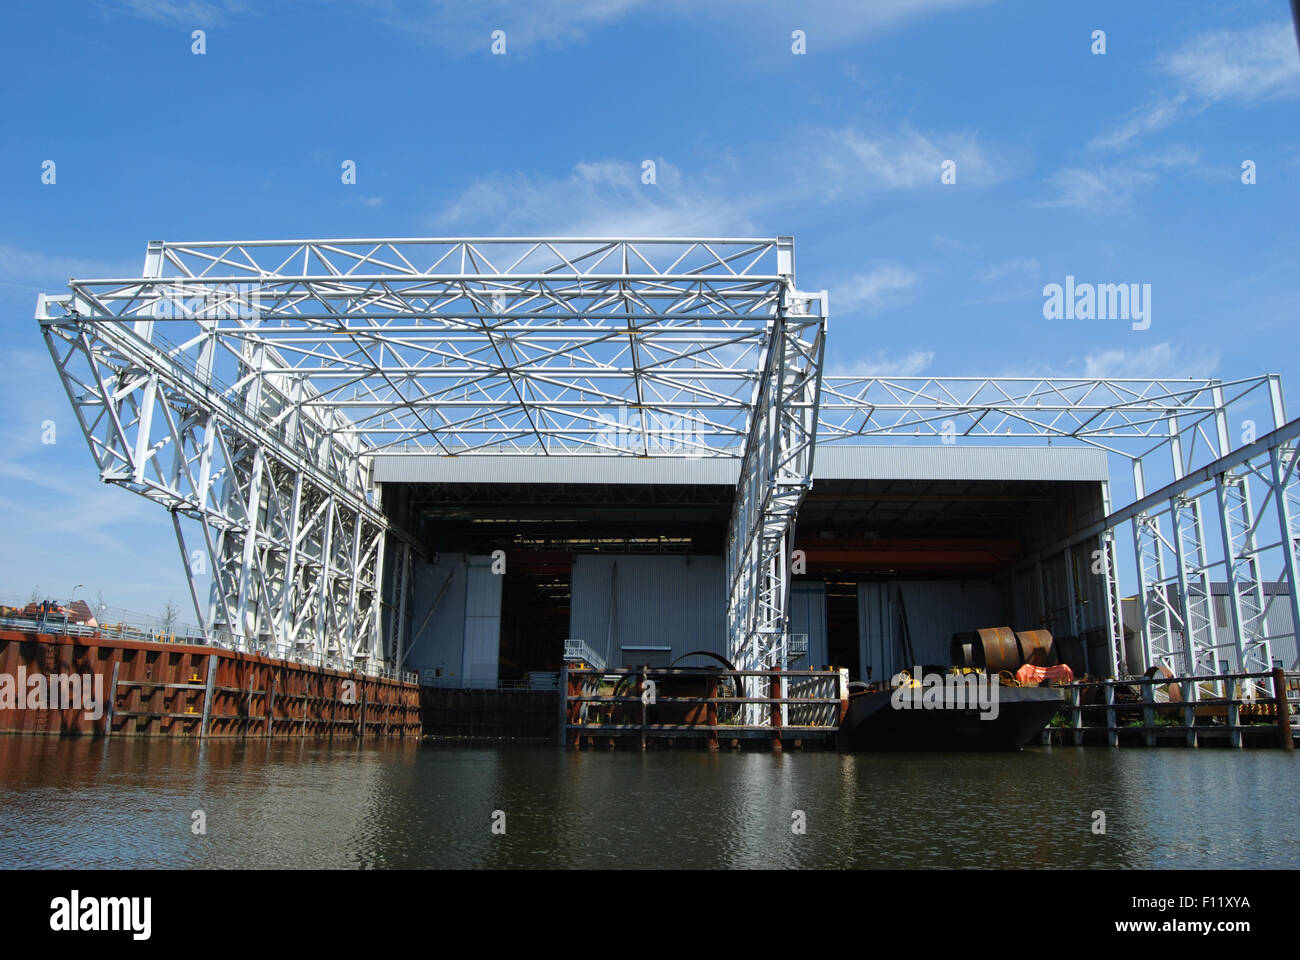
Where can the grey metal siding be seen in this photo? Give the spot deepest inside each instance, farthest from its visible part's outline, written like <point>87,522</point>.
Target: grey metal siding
<point>626,600</point>
<point>935,611</point>
<point>482,623</point>
<point>808,615</point>
<point>437,638</point>
<point>456,626</point>
<point>1277,626</point>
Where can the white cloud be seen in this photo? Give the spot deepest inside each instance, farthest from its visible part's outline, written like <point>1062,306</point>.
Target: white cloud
<point>466,27</point>
<point>1249,66</point>
<point>1020,267</point>
<point>1145,119</point>
<point>1099,190</point>
<point>598,199</point>
<point>881,364</point>
<point>860,162</point>
<point>1156,360</point>
<point>607,197</point>
<point>1106,188</point>
<point>199,13</point>
<point>881,287</point>
<point>23,267</point>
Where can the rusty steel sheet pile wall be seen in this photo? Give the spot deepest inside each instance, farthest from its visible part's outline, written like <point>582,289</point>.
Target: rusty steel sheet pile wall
<point>179,690</point>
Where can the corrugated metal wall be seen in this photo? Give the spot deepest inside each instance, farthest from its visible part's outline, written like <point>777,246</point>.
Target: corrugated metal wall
<point>935,611</point>
<point>457,644</point>
<point>808,615</point>
<point>437,641</point>
<point>482,623</point>
<point>648,601</point>
<point>1277,619</point>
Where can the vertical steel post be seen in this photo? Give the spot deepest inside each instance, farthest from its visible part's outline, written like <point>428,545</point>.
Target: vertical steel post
<point>1283,706</point>
<point>207,693</point>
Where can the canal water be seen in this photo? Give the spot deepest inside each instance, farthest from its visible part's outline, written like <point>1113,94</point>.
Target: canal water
<point>133,803</point>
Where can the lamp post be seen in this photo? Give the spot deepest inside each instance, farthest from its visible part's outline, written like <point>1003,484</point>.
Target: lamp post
<point>67,614</point>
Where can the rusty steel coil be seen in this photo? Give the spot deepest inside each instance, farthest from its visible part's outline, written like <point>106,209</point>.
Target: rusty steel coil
<point>1037,648</point>
<point>993,648</point>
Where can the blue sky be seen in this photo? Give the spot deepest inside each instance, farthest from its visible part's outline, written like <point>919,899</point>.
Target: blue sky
<point>1117,168</point>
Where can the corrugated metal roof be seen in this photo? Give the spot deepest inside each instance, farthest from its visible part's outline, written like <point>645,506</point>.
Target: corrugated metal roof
<point>830,463</point>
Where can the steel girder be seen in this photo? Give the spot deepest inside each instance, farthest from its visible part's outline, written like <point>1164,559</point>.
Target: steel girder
<point>775,475</point>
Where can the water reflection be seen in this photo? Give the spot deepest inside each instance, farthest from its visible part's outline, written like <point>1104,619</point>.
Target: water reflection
<point>128,803</point>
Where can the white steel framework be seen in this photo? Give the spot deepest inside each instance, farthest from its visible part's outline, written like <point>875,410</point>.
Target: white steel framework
<point>774,477</point>
<point>281,367</point>
<point>246,386</point>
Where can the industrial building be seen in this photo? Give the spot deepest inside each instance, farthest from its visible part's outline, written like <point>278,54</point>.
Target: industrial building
<point>453,456</point>
<point>635,569</point>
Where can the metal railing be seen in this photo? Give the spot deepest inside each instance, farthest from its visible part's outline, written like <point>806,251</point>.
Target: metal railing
<point>60,626</point>
<point>640,702</point>
<point>577,651</point>
<point>1222,705</point>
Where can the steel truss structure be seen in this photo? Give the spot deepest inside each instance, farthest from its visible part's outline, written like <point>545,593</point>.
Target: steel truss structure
<point>1184,431</point>
<point>775,475</point>
<point>278,368</point>
<point>247,386</point>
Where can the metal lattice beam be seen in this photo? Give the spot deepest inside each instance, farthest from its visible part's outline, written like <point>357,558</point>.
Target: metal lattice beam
<point>775,475</point>
<point>456,346</point>
<point>1125,416</point>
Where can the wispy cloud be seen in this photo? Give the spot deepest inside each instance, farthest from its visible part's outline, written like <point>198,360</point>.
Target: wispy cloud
<point>1141,121</point>
<point>883,286</point>
<point>603,198</point>
<point>607,197</point>
<point>199,13</point>
<point>882,364</point>
<point>1107,188</point>
<point>1156,360</point>
<point>463,27</point>
<point>857,162</point>
<point>36,270</point>
<point>1248,66</point>
<point>1016,268</point>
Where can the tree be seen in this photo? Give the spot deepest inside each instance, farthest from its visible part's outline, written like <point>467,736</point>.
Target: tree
<point>170,616</point>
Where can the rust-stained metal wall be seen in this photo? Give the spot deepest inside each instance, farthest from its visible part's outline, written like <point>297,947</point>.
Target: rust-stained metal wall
<point>177,690</point>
